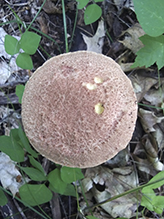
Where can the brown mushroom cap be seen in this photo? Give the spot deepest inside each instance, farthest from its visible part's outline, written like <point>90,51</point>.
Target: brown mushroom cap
<point>79,109</point>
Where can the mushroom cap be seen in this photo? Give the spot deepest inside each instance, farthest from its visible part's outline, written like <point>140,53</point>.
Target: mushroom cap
<point>79,109</point>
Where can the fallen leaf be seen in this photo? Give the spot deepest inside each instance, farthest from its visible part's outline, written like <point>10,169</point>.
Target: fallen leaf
<point>131,38</point>
<point>159,135</point>
<point>6,69</point>
<point>155,96</point>
<point>50,7</point>
<point>144,166</point>
<point>108,183</point>
<point>151,150</point>
<point>96,42</point>
<point>148,120</point>
<point>9,174</point>
<point>142,82</point>
<point>122,61</point>
<point>124,4</point>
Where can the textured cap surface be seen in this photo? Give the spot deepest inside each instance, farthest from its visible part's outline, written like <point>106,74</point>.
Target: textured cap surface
<point>79,109</point>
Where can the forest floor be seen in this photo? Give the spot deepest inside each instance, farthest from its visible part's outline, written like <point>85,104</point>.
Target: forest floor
<point>118,38</point>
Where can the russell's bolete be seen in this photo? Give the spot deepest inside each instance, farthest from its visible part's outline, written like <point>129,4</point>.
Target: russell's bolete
<point>79,109</point>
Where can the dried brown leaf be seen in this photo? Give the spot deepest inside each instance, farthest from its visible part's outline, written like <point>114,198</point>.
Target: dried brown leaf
<point>141,83</point>
<point>131,38</point>
<point>151,150</point>
<point>149,120</point>
<point>115,182</point>
<point>96,42</point>
<point>155,96</point>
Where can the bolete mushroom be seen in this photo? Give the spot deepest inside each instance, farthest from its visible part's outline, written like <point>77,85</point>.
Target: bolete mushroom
<point>79,109</point>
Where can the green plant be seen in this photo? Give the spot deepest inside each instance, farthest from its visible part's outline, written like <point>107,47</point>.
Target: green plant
<point>29,43</point>
<point>151,17</point>
<point>18,142</point>
<point>150,199</point>
<point>92,12</point>
<point>91,217</point>
<point>59,179</point>
<point>3,199</point>
<point>19,92</point>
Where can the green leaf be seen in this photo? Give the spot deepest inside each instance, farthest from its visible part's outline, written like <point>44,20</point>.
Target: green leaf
<point>3,199</point>
<point>92,13</point>
<point>36,164</point>
<point>153,202</point>
<point>122,218</point>
<point>56,183</point>
<point>82,3</point>
<point>25,142</point>
<point>29,42</point>
<point>147,198</point>
<point>70,175</point>
<point>152,52</point>
<point>150,15</point>
<point>34,174</point>
<point>158,204</point>
<point>35,194</point>
<point>158,177</point>
<point>11,45</point>
<point>24,61</point>
<point>16,148</point>
<point>70,191</point>
<point>19,91</point>
<point>14,135</point>
<point>98,0</point>
<point>91,217</point>
<point>11,147</point>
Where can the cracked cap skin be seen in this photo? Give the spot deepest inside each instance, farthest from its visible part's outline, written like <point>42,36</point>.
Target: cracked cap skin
<point>79,109</point>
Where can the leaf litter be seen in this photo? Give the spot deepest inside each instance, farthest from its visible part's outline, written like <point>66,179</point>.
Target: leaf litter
<point>104,183</point>
<point>143,157</point>
<point>10,177</point>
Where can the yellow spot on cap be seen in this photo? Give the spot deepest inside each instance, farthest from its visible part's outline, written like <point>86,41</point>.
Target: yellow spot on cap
<point>90,86</point>
<point>99,109</point>
<point>98,80</point>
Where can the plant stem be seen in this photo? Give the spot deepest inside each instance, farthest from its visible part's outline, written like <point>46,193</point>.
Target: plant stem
<point>74,26</point>
<point>33,209</point>
<point>156,107</point>
<point>123,194</point>
<point>160,90</point>
<point>36,15</point>
<point>65,27</point>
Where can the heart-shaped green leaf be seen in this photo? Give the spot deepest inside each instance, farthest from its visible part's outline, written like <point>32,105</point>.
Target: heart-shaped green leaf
<point>92,13</point>
<point>150,15</point>
<point>35,194</point>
